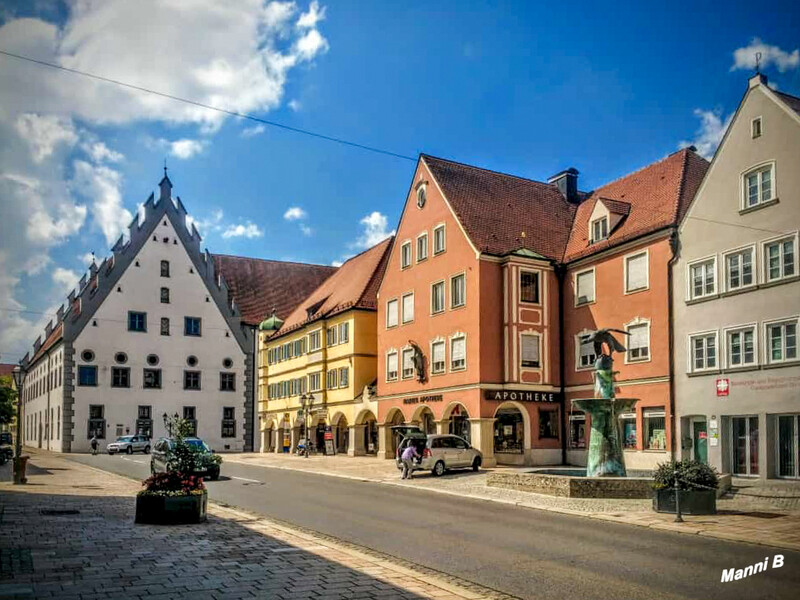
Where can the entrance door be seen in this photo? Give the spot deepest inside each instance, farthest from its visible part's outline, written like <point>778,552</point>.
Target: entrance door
<point>745,445</point>
<point>700,441</point>
<point>788,446</point>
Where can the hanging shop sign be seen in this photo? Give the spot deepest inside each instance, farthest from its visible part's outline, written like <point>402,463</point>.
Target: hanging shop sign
<point>521,396</point>
<point>423,399</point>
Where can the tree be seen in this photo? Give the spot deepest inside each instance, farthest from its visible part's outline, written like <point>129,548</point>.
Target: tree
<point>8,397</point>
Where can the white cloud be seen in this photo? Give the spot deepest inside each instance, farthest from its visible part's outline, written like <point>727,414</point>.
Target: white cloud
<point>186,148</point>
<point>337,263</point>
<point>294,105</point>
<point>65,279</point>
<point>314,15</point>
<point>745,58</point>
<point>46,230</point>
<point>307,231</point>
<point>311,44</point>
<point>248,230</point>
<point>103,187</point>
<point>709,135</point>
<point>295,213</point>
<point>44,132</point>
<point>249,132</point>
<point>210,224</point>
<point>36,264</point>
<point>375,230</point>
<point>86,259</point>
<point>99,152</point>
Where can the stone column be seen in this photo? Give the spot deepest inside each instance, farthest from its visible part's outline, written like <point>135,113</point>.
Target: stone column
<point>482,433</point>
<point>442,426</point>
<point>357,447</point>
<point>277,447</point>
<point>384,441</point>
<point>295,439</point>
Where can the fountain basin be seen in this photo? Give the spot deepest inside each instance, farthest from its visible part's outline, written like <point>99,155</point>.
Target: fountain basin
<point>572,483</point>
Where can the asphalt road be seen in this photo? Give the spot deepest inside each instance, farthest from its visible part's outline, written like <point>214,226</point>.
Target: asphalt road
<point>524,552</point>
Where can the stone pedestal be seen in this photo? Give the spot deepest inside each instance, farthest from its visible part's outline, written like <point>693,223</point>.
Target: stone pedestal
<point>605,457</point>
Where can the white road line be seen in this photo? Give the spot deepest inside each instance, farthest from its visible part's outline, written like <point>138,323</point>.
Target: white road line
<point>131,460</point>
<point>245,479</point>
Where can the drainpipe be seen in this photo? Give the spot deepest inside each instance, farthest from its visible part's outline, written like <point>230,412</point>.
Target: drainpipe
<point>675,249</point>
<point>560,271</point>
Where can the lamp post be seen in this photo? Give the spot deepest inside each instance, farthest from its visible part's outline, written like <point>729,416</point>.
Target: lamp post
<point>20,463</point>
<point>306,402</point>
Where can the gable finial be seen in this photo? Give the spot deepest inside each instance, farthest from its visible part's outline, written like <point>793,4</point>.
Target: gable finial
<point>93,261</point>
<point>758,63</point>
<point>165,166</point>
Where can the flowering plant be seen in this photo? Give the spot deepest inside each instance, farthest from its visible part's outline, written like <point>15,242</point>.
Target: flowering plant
<point>172,484</point>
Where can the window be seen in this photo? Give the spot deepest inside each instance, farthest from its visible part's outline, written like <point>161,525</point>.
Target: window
<point>529,287</point>
<point>655,429</point>
<point>315,340</point>
<point>191,380</point>
<point>408,363</point>
<point>584,287</point>
<point>437,353</point>
<point>422,247</point>
<point>344,377</point>
<point>87,375</point>
<point>704,352</point>
<point>548,423</point>
<point>438,239</point>
<point>152,359</point>
<point>586,355</point>
<point>740,344</point>
<point>227,363</point>
<point>780,259</point>
<point>638,342</point>
<point>344,333</point>
<point>628,426</point>
<point>331,379</point>
<point>408,307</point>
<point>702,279</point>
<point>332,336</point>
<point>120,377</point>
<point>144,421</point>
<point>405,255</point>
<point>458,291</point>
<point>437,297</point>
<point>758,186</point>
<point>228,422</point>
<point>165,268</point>
<point>577,431</point>
<point>755,127</point>
<point>600,229</point>
<point>97,422</point>
<point>391,366</point>
<point>739,269</point>
<point>227,382</point>
<point>315,381</point>
<point>190,415</point>
<point>458,353</point>
<point>137,321</point>
<point>191,360</point>
<point>87,356</point>
<point>164,326</point>
<point>391,313</point>
<point>530,350</point>
<point>421,196</point>
<point>192,326</point>
<point>151,379</point>
<point>164,295</point>
<point>636,272</point>
<point>782,340</point>
<point>121,358</point>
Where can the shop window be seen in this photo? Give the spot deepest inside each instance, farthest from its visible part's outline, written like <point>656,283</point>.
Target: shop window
<point>87,375</point>
<point>509,432</point>
<point>391,313</point>
<point>530,350</point>
<point>628,427</point>
<point>228,422</point>
<point>744,438</point>
<point>97,422</point>
<point>529,287</point>
<point>655,429</point>
<point>391,366</point>
<point>120,377</point>
<point>459,424</point>
<point>438,360</point>
<point>787,441</point>
<point>577,431</point>
<point>548,424</point>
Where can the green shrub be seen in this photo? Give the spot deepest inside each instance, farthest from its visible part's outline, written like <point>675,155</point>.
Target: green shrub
<point>691,475</point>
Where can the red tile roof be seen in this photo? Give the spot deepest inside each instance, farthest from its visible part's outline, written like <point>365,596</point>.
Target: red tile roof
<point>495,209</point>
<point>6,369</point>
<point>658,196</point>
<point>354,285</point>
<point>49,342</point>
<point>260,286</point>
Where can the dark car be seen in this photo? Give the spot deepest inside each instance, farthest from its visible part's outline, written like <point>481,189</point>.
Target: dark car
<point>6,449</point>
<point>160,453</point>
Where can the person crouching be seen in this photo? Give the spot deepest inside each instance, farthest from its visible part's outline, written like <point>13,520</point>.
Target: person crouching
<point>408,456</point>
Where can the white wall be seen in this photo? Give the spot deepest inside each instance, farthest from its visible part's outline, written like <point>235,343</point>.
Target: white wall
<point>45,405</point>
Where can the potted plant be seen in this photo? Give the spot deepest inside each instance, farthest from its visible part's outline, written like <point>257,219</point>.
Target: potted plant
<point>697,485</point>
<point>177,496</point>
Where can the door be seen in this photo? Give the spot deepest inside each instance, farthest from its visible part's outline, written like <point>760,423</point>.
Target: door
<point>744,437</point>
<point>700,441</point>
<point>788,447</point>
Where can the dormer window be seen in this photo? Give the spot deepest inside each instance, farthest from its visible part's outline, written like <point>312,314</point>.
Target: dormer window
<point>599,229</point>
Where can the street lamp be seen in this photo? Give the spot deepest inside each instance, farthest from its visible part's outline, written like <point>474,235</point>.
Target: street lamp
<point>306,402</point>
<point>18,375</point>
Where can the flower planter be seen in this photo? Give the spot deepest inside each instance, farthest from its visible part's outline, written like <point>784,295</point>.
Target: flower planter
<point>171,510</point>
<point>693,502</point>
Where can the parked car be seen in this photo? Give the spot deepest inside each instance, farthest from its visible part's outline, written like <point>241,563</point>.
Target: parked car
<point>159,457</point>
<point>438,453</point>
<point>129,444</point>
<point>6,448</point>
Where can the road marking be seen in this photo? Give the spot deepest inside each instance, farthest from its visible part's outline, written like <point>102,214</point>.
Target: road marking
<point>245,479</point>
<point>131,460</point>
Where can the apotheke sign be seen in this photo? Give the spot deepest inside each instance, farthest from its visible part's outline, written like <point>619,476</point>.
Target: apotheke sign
<point>521,396</point>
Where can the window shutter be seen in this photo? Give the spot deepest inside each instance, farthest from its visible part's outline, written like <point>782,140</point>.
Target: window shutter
<point>408,308</point>
<point>586,287</point>
<point>408,360</point>
<point>459,349</point>
<point>438,352</point>
<point>638,338</point>
<point>530,348</point>
<point>637,272</point>
<point>393,362</point>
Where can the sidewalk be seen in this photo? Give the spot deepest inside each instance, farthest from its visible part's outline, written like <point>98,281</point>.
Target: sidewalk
<point>767,516</point>
<point>69,534</point>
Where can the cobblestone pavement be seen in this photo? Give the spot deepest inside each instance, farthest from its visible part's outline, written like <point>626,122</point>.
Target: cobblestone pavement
<point>69,534</point>
<point>766,514</point>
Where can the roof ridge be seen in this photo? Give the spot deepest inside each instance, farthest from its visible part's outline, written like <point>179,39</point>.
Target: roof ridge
<point>272,260</point>
<point>366,250</point>
<point>380,267</point>
<point>455,162</point>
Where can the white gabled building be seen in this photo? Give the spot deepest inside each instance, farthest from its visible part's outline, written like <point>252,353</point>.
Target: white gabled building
<point>149,331</point>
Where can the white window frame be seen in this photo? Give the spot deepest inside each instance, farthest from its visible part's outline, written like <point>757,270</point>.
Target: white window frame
<point>402,366</point>
<point>592,228</point>
<point>344,381</point>
<point>690,280</point>
<point>690,346</point>
<point>311,376</point>
<point>424,234</point>
<point>443,228</point>
<point>344,337</point>
<point>638,322</point>
<point>311,333</point>
<point>456,276</point>
<point>538,337</point>
<point>765,257</point>
<point>759,168</point>
<point>332,379</point>
<point>768,360</point>
<point>390,352</point>
<point>331,335</point>
<point>435,341</point>
<point>396,312</point>
<point>753,127</point>
<point>403,319</point>
<point>578,354</point>
<point>456,336</point>
<point>726,270</point>
<point>726,338</point>
<point>575,276</point>
<point>443,283</point>
<point>403,246</point>
<point>625,261</point>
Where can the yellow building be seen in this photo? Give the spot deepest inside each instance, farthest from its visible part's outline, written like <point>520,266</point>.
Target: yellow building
<point>326,349</point>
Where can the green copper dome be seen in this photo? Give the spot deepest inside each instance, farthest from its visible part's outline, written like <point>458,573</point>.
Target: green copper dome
<point>272,323</point>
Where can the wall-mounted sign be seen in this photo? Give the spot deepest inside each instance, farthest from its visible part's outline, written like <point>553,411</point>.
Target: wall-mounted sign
<point>521,396</point>
<point>723,386</point>
<point>423,399</point>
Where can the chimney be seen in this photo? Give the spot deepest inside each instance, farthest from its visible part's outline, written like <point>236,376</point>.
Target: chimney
<point>567,183</point>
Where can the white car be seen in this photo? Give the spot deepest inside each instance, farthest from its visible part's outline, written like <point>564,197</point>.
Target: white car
<point>129,444</point>
<point>438,453</point>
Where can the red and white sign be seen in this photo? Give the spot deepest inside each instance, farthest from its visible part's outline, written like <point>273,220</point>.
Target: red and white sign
<point>723,386</point>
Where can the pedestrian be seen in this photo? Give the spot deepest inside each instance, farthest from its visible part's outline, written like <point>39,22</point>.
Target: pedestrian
<point>94,445</point>
<point>408,456</point>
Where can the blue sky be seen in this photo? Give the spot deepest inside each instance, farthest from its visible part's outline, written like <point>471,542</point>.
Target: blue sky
<point>526,88</point>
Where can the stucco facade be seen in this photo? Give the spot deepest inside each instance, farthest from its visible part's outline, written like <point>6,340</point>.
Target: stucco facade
<point>736,295</point>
